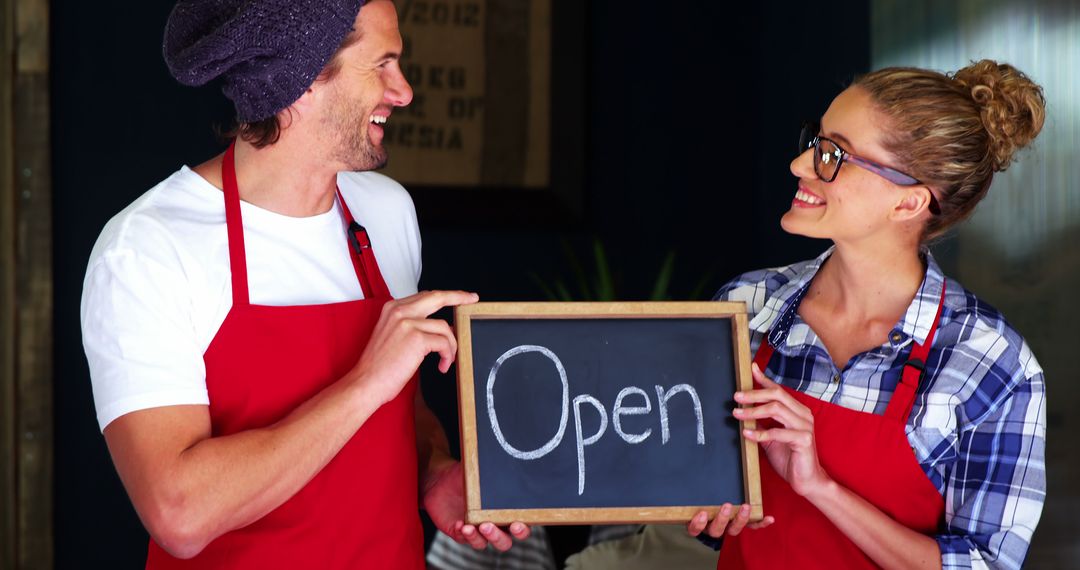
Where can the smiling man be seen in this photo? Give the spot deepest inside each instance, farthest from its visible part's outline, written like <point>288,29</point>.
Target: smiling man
<point>253,325</point>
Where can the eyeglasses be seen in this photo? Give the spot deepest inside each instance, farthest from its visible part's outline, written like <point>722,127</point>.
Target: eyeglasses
<point>829,156</point>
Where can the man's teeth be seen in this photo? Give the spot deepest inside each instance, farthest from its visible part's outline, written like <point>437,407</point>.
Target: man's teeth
<point>378,119</point>
<point>808,198</point>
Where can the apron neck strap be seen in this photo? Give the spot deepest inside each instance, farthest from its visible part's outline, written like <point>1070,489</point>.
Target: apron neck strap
<point>903,398</point>
<point>235,226</point>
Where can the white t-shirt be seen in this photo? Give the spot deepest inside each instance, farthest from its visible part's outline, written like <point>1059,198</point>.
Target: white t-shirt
<point>158,284</point>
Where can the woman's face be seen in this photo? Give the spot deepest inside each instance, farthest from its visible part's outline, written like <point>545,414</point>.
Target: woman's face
<point>857,204</point>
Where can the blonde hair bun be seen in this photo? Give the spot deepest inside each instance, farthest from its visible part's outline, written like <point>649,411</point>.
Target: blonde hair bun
<point>1012,106</point>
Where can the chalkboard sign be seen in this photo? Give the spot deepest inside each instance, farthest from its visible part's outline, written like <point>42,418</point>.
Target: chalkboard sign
<point>576,413</point>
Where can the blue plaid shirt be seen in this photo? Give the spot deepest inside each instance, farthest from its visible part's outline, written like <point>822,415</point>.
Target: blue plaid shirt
<point>978,426</point>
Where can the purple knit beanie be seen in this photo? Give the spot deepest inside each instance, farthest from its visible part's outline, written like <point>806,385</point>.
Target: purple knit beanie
<point>267,51</point>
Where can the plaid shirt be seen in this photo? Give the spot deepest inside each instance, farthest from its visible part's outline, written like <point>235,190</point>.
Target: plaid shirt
<point>978,426</point>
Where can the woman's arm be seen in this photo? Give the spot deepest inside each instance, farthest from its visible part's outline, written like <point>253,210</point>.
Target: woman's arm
<point>887,542</point>
<point>997,485</point>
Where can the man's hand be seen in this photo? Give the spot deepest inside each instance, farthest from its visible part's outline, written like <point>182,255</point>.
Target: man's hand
<point>444,500</point>
<point>402,337</point>
<point>730,520</point>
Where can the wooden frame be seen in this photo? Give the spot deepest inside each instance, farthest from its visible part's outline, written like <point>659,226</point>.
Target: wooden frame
<point>464,315</point>
<point>8,458</point>
<point>26,358</point>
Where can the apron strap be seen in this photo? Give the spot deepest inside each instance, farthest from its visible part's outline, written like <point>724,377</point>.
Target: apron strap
<point>903,398</point>
<point>235,226</point>
<point>363,256</point>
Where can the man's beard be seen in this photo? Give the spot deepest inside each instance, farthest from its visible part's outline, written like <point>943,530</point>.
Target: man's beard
<point>354,147</point>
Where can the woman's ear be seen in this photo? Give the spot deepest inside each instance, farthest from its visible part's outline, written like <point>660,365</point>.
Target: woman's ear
<point>915,201</point>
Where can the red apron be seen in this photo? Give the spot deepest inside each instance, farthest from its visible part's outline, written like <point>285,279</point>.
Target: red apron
<point>864,452</point>
<point>361,510</point>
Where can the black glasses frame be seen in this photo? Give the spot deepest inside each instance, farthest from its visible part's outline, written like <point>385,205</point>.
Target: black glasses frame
<point>809,137</point>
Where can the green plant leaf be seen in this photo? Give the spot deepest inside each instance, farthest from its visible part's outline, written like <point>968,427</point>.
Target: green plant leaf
<point>663,278</point>
<point>579,272</point>
<point>563,292</point>
<point>605,284</point>
<point>699,290</point>
<point>598,283</point>
<point>548,293</point>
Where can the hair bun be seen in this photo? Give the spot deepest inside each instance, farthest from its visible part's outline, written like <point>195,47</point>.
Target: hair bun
<point>1012,106</point>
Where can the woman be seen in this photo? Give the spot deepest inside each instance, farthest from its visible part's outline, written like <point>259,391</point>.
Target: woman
<point>902,418</point>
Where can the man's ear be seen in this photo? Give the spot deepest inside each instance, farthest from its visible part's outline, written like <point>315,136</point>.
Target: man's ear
<point>915,201</point>
<point>305,105</point>
<point>308,98</point>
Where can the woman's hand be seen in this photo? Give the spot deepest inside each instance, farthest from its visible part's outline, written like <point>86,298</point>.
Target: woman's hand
<point>790,448</point>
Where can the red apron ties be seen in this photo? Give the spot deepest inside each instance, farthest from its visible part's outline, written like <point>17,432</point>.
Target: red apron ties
<point>361,510</point>
<point>866,453</point>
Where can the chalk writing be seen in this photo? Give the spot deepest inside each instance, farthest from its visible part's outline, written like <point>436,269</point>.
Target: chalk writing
<point>581,440</point>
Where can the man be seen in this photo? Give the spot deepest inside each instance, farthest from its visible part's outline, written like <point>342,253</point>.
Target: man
<point>255,379</point>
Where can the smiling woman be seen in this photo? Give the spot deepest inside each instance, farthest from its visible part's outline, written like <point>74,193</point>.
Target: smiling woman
<point>869,351</point>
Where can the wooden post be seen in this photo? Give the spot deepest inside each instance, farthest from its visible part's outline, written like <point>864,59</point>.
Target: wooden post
<point>26,288</point>
<point>8,493</point>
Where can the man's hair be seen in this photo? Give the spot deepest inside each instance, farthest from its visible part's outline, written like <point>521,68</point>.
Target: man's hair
<point>267,131</point>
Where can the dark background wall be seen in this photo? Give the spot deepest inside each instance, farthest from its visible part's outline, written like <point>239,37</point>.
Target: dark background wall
<point>690,118</point>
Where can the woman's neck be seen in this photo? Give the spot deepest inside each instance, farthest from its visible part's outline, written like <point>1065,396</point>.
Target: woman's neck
<point>869,284</point>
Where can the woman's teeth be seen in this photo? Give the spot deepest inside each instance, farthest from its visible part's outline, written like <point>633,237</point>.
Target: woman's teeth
<point>808,198</point>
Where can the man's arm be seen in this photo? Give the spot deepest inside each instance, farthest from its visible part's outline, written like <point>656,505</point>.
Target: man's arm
<point>442,488</point>
<point>432,447</point>
<point>190,488</point>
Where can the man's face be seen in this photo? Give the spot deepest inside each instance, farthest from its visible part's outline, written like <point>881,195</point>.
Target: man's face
<point>362,95</point>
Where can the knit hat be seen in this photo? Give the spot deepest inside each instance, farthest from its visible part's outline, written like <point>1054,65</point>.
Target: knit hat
<point>267,51</point>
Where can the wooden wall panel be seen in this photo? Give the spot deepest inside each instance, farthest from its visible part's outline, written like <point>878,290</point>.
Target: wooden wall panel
<point>8,494</point>
<point>26,288</point>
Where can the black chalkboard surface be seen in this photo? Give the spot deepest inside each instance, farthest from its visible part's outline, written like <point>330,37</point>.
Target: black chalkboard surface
<point>603,412</point>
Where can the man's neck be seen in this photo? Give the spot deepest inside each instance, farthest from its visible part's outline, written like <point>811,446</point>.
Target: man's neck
<point>286,178</point>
